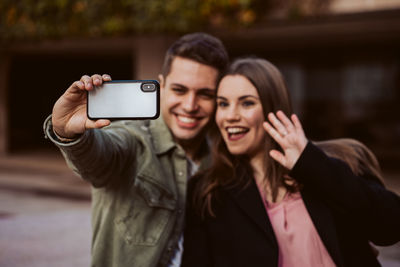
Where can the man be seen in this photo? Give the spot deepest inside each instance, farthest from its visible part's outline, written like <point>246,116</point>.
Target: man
<point>139,169</point>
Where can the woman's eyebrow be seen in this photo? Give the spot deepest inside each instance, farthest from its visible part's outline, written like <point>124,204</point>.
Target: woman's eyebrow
<point>240,98</point>
<point>246,96</point>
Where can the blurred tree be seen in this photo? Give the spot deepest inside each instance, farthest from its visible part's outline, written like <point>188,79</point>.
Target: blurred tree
<point>32,19</point>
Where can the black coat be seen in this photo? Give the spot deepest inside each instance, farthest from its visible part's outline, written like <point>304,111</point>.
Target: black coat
<point>347,211</point>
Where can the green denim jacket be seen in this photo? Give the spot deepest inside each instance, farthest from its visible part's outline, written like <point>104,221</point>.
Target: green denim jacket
<point>139,177</point>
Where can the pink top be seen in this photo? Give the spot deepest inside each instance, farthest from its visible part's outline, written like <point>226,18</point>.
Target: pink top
<point>298,240</point>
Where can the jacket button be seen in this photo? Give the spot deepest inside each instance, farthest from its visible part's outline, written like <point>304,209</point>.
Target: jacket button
<point>180,173</point>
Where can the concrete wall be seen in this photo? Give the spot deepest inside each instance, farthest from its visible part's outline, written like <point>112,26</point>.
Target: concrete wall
<point>149,55</point>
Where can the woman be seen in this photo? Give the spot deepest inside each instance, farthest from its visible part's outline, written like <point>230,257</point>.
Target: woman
<point>271,198</point>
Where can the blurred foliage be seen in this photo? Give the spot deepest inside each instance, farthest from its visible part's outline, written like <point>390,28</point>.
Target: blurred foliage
<point>39,19</point>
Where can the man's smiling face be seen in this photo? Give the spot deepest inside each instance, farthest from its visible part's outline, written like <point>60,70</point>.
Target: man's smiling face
<point>188,98</point>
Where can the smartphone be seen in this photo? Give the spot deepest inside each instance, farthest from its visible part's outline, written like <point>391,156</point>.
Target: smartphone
<point>124,100</point>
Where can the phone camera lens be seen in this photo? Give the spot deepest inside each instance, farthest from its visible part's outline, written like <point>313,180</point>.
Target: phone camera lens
<point>148,87</point>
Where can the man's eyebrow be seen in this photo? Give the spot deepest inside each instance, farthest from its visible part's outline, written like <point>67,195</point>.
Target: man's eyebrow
<point>178,85</point>
<point>221,97</point>
<point>206,90</point>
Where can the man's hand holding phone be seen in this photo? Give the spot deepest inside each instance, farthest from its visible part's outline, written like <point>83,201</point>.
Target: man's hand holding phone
<point>69,115</point>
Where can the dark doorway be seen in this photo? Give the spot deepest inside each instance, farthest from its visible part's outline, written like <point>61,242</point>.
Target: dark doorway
<point>37,81</point>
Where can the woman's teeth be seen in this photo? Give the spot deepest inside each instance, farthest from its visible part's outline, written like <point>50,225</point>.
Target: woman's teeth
<point>237,130</point>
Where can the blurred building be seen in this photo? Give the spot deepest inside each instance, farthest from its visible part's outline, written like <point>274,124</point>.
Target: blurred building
<point>342,68</point>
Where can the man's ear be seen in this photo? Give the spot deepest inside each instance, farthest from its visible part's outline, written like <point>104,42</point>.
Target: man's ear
<point>162,81</point>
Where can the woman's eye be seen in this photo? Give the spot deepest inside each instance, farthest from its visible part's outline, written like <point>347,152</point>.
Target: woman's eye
<point>222,104</point>
<point>248,103</point>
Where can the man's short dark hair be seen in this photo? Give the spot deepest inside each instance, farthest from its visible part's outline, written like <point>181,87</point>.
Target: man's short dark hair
<point>200,47</point>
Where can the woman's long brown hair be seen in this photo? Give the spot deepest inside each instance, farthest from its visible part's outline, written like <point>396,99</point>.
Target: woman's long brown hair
<point>360,159</point>
<point>229,170</point>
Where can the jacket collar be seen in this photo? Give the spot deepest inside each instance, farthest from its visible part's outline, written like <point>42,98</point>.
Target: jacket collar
<point>164,142</point>
<point>162,136</point>
<point>250,201</point>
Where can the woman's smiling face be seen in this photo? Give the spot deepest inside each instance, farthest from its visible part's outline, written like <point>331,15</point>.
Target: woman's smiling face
<point>240,116</point>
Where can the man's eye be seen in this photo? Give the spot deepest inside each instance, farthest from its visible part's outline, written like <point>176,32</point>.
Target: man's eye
<point>207,96</point>
<point>178,90</point>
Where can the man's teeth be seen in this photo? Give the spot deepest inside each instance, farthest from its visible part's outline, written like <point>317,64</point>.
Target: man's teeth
<point>186,119</point>
<point>235,130</point>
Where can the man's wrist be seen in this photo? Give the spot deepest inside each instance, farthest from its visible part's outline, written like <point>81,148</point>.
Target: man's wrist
<point>64,139</point>
<point>50,134</point>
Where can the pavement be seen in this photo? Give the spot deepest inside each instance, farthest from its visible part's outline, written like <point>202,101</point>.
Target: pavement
<point>42,172</point>
<point>45,213</point>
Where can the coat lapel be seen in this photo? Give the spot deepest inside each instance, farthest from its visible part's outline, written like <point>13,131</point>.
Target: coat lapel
<point>324,223</point>
<point>251,203</point>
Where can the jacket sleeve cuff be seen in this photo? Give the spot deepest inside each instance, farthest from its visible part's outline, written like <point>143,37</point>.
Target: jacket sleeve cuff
<point>306,166</point>
<point>49,134</point>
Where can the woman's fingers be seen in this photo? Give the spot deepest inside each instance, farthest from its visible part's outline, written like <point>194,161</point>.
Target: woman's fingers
<point>277,124</point>
<point>296,123</point>
<point>275,154</point>
<point>293,144</point>
<point>285,120</point>
<point>272,132</point>
<point>302,139</point>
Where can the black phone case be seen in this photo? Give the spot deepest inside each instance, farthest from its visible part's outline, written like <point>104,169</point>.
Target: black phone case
<point>124,100</point>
